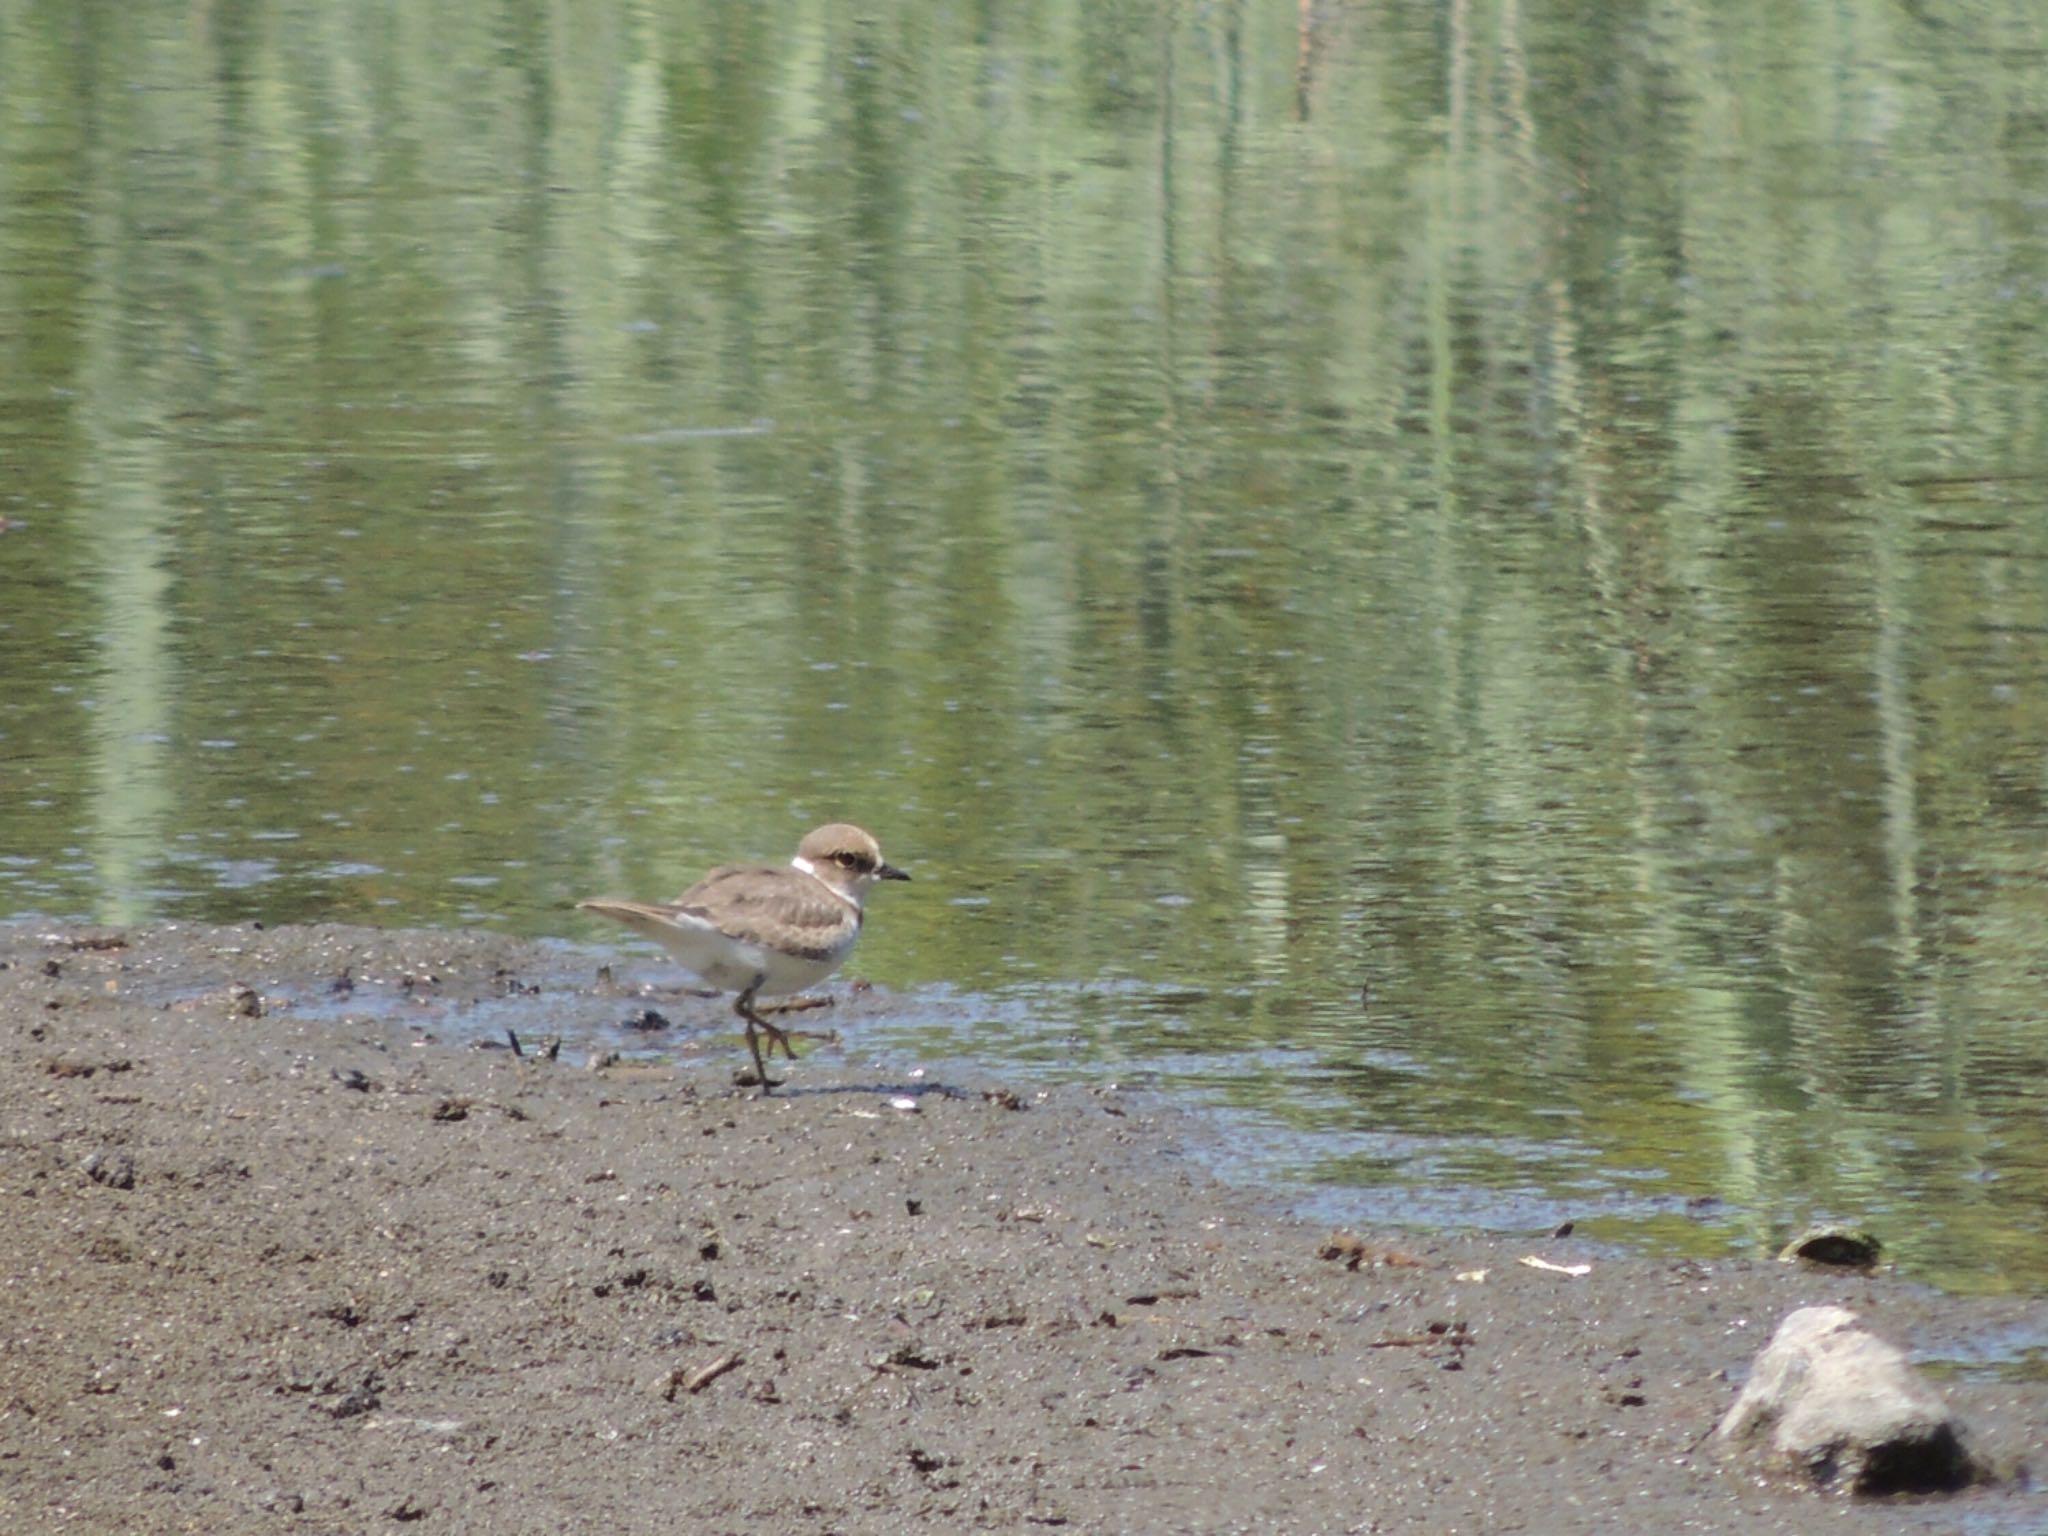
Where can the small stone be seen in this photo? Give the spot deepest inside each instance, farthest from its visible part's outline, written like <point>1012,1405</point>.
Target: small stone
<point>362,1400</point>
<point>1839,1247</point>
<point>116,1170</point>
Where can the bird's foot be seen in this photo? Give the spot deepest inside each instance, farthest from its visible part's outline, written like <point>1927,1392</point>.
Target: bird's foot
<point>778,1037</point>
<point>798,1005</point>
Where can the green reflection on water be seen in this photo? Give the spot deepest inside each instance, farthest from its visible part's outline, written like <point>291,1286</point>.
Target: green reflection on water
<point>1466,578</point>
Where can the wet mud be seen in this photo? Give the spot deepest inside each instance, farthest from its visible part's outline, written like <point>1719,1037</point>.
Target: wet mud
<point>283,1249</point>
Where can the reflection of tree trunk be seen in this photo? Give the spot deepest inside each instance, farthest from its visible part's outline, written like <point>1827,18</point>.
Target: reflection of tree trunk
<point>1304,57</point>
<point>1898,733</point>
<point>1168,257</point>
<point>132,724</point>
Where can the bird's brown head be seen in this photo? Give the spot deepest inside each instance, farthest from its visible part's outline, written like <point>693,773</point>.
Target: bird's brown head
<point>846,858</point>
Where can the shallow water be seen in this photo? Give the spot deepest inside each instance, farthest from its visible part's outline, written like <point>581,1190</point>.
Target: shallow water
<point>1462,584</point>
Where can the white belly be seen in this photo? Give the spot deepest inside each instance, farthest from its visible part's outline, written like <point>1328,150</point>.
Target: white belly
<point>732,964</point>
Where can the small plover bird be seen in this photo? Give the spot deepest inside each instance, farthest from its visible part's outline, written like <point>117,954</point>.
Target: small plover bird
<point>761,931</point>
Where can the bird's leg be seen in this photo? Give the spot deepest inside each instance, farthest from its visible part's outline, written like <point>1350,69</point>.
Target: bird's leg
<point>745,1008</point>
<point>800,1004</point>
<point>789,1005</point>
<point>777,1035</point>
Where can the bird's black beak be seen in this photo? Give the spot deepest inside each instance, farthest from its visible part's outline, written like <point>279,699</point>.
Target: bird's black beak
<point>889,872</point>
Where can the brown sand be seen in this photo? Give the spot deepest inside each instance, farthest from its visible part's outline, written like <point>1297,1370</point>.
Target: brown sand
<point>309,1270</point>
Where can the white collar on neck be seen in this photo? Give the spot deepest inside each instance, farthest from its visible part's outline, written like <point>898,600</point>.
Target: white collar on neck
<point>805,866</point>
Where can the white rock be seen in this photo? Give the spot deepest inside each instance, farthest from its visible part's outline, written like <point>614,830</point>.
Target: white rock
<point>1846,1408</point>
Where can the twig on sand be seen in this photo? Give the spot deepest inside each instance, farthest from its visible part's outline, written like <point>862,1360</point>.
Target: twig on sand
<point>696,1381</point>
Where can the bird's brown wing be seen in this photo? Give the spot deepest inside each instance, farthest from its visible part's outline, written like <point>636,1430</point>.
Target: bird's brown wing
<point>705,890</point>
<point>787,915</point>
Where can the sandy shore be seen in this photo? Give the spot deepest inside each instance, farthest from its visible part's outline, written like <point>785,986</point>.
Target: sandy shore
<point>281,1255</point>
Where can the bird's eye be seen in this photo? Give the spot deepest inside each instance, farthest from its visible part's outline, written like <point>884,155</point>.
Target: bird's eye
<point>850,860</point>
